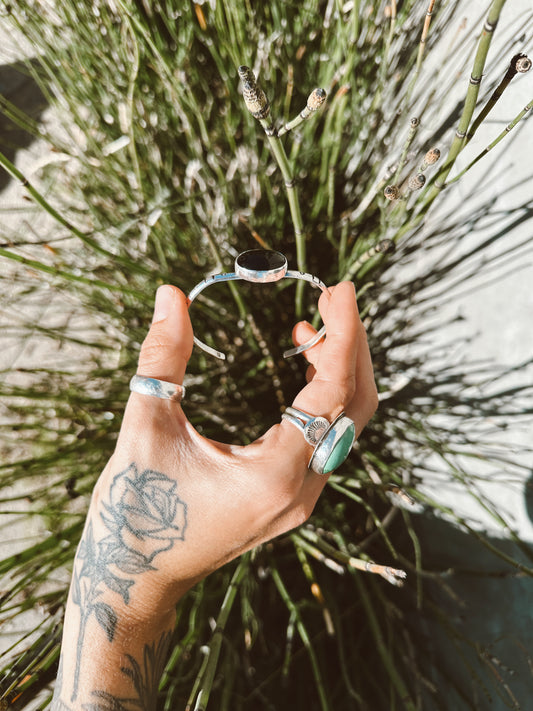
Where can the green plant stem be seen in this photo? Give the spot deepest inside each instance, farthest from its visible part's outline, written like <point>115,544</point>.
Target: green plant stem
<point>40,200</point>
<point>333,158</point>
<point>491,103</point>
<point>295,614</point>
<point>421,52</point>
<point>241,306</point>
<point>304,114</point>
<point>130,111</point>
<point>415,123</point>
<point>208,674</point>
<point>495,142</point>
<point>380,83</point>
<point>381,646</point>
<point>69,276</point>
<point>418,555</point>
<point>471,97</point>
<point>377,521</point>
<point>294,205</point>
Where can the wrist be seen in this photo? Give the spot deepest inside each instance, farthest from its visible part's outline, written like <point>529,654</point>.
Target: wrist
<point>112,653</point>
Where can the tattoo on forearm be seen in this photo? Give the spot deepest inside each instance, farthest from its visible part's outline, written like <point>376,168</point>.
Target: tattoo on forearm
<point>144,517</point>
<point>145,677</point>
<point>144,674</point>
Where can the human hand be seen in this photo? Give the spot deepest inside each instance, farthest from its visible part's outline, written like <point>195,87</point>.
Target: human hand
<point>234,497</point>
<point>171,506</point>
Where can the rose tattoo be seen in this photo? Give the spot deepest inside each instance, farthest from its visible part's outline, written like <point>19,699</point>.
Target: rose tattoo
<point>144,517</point>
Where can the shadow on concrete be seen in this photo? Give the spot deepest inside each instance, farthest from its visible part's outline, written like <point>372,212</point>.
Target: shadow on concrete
<point>17,86</point>
<point>484,659</point>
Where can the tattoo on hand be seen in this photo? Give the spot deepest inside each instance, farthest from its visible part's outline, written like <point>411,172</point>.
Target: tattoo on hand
<point>144,517</point>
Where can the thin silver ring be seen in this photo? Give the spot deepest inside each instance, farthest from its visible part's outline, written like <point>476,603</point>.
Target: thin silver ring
<point>157,388</point>
<point>277,269</point>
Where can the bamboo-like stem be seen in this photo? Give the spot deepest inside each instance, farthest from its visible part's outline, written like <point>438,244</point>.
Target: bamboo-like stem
<point>418,555</point>
<point>381,647</point>
<point>495,142</point>
<point>258,105</point>
<point>302,631</point>
<point>520,63</point>
<point>421,51</point>
<point>314,102</point>
<point>413,128</point>
<point>285,668</point>
<point>470,100</point>
<point>58,217</point>
<point>320,555</point>
<point>394,576</point>
<point>316,590</point>
<point>208,671</point>
<point>385,57</point>
<point>241,306</point>
<point>377,187</point>
<point>375,518</point>
<point>423,38</point>
<point>386,246</point>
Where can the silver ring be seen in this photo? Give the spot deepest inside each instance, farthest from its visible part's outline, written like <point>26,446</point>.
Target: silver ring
<point>332,441</point>
<point>157,388</point>
<point>260,266</point>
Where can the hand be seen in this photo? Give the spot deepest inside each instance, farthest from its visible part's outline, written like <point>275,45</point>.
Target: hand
<point>171,506</point>
<point>237,497</point>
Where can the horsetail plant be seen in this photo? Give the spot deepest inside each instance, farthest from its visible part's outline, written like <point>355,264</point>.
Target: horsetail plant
<point>259,106</point>
<point>162,178</point>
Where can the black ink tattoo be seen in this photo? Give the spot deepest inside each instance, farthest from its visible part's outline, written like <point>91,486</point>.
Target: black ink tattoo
<point>145,678</point>
<point>144,517</point>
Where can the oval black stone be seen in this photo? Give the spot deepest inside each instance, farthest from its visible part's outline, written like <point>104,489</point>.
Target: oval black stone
<point>261,260</point>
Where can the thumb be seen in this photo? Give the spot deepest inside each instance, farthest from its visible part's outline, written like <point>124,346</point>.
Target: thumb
<point>168,345</point>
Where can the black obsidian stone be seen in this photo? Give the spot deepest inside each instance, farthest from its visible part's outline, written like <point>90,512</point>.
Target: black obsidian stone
<point>261,260</point>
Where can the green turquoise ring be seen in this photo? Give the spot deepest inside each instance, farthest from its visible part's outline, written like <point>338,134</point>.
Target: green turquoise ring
<point>332,441</point>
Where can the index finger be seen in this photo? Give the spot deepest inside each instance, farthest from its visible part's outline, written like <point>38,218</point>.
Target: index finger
<point>333,384</point>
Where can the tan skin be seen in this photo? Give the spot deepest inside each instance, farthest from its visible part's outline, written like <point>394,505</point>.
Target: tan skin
<point>229,499</point>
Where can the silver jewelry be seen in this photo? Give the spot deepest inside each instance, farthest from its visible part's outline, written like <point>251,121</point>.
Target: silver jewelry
<point>157,388</point>
<point>332,441</point>
<point>259,266</point>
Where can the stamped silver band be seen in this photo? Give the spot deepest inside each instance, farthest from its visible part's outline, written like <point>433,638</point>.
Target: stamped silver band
<point>332,441</point>
<point>157,388</point>
<point>311,427</point>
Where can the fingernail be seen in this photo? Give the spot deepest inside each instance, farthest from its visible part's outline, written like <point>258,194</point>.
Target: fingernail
<point>163,303</point>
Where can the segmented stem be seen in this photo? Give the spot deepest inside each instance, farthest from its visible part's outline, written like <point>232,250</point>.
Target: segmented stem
<point>413,128</point>
<point>209,668</point>
<point>471,97</point>
<point>520,63</point>
<point>259,106</point>
<point>495,142</point>
<point>386,246</point>
<point>421,51</point>
<point>314,102</point>
<point>304,636</point>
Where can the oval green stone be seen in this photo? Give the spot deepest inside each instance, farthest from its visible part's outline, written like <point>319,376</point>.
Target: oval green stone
<point>340,450</point>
